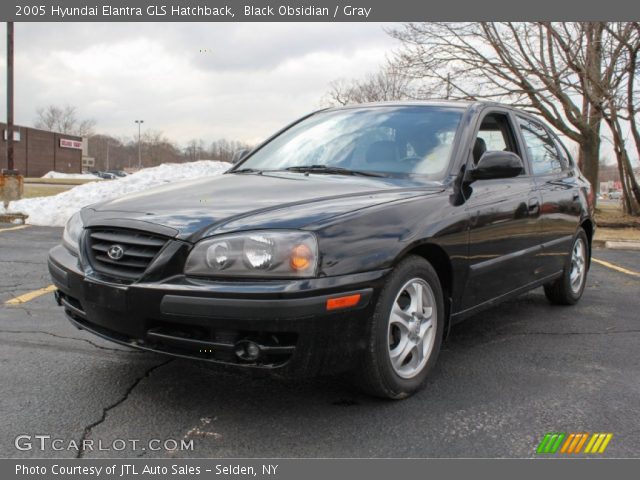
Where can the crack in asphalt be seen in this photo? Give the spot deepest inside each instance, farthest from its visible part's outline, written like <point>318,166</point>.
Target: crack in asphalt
<point>69,338</point>
<point>106,410</point>
<point>20,307</point>
<point>25,285</point>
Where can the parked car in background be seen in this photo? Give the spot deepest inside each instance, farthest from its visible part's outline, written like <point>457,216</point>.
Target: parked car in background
<point>350,241</point>
<point>615,195</point>
<point>103,175</point>
<point>117,173</point>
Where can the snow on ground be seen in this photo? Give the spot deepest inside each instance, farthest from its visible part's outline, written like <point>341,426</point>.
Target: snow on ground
<point>69,176</point>
<point>55,210</point>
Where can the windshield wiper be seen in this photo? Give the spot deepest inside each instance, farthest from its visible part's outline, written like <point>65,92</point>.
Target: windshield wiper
<point>332,170</point>
<point>246,170</point>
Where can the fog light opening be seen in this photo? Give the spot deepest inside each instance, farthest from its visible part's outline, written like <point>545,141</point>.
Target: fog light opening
<point>247,350</point>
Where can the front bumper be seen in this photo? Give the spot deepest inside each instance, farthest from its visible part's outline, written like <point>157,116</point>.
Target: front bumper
<point>215,321</point>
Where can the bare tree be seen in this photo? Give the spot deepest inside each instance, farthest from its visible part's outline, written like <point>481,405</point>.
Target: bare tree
<point>194,150</point>
<point>107,151</point>
<point>553,69</point>
<point>223,150</point>
<point>622,105</point>
<point>389,83</point>
<point>158,149</point>
<point>64,120</point>
<point>123,152</point>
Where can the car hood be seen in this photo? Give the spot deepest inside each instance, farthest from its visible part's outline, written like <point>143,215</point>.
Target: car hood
<point>193,209</point>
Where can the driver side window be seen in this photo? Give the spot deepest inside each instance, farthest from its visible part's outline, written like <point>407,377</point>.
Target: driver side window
<point>495,134</point>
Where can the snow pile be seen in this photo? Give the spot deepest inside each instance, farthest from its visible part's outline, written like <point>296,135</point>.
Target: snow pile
<point>55,210</point>
<point>71,176</point>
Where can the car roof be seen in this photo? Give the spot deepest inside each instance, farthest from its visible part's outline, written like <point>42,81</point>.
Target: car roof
<point>468,105</point>
<point>465,104</point>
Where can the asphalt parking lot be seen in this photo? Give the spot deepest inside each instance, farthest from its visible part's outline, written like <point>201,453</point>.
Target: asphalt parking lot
<point>504,379</point>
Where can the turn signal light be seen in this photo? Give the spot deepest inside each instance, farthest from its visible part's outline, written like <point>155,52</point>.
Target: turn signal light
<point>343,302</point>
<point>301,258</point>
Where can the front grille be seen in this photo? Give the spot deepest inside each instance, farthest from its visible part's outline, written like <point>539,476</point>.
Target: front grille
<point>139,248</point>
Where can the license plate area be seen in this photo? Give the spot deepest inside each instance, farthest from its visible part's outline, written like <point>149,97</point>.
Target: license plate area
<point>107,296</point>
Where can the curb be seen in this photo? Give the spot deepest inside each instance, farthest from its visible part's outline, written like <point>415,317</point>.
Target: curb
<point>616,244</point>
<point>622,245</point>
<point>13,218</point>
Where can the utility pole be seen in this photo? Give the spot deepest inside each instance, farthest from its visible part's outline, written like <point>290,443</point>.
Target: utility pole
<point>10,164</point>
<point>107,154</point>
<point>139,122</point>
<point>11,182</point>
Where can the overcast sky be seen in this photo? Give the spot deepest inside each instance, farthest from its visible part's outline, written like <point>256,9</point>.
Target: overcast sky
<point>238,81</point>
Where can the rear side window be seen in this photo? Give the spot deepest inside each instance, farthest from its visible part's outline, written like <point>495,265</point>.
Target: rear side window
<point>541,148</point>
<point>565,156</point>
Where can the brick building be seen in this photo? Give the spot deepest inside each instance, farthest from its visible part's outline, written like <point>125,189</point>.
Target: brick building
<point>36,152</point>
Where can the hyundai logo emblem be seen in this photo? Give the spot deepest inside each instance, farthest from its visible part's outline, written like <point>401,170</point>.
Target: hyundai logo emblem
<point>115,252</point>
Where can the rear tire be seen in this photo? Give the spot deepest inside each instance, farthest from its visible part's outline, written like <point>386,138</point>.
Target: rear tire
<point>568,289</point>
<point>405,331</point>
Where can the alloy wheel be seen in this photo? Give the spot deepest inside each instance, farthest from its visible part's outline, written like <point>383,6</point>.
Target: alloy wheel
<point>412,328</point>
<point>578,265</point>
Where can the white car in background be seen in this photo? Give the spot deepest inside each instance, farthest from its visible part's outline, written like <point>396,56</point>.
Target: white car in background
<point>615,195</point>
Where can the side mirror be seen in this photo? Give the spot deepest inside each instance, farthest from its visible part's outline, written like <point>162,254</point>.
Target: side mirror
<point>497,164</point>
<point>238,155</point>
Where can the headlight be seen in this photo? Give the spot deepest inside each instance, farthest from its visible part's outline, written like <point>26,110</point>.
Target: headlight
<point>72,232</point>
<point>274,253</point>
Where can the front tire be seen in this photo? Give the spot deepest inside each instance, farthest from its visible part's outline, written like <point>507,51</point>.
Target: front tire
<point>405,332</point>
<point>568,289</point>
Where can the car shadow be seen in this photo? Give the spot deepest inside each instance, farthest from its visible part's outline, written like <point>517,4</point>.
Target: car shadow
<point>492,371</point>
<point>492,325</point>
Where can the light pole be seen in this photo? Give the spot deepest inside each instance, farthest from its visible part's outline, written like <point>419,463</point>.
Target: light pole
<point>139,122</point>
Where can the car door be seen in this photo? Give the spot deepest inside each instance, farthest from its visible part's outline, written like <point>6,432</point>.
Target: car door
<point>504,219</point>
<point>558,185</point>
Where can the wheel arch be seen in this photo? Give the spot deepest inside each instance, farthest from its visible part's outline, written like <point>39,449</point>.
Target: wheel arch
<point>440,261</point>
<point>588,227</point>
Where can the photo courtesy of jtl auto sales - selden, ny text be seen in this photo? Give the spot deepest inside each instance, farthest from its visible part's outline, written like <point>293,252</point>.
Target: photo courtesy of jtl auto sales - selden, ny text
<point>304,240</point>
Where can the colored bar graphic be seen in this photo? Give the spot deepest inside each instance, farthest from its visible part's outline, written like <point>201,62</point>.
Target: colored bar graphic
<point>543,443</point>
<point>598,443</point>
<point>590,444</point>
<point>573,443</point>
<point>605,442</point>
<point>550,443</point>
<point>581,442</point>
<point>557,443</point>
<point>565,447</point>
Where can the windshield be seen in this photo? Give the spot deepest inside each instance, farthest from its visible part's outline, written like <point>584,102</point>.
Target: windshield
<point>392,140</point>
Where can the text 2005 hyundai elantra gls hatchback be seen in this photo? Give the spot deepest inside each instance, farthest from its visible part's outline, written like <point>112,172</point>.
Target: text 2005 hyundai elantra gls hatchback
<point>349,241</point>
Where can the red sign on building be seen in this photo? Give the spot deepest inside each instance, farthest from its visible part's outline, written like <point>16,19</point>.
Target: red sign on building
<point>67,143</point>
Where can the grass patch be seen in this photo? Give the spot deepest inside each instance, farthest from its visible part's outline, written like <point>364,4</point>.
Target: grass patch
<point>60,181</point>
<point>618,234</point>
<point>37,190</point>
<point>611,215</point>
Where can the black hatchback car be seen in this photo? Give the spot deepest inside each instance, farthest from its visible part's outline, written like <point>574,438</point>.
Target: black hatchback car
<point>349,241</point>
